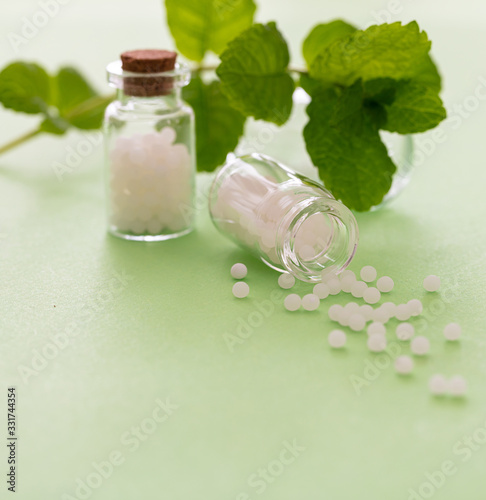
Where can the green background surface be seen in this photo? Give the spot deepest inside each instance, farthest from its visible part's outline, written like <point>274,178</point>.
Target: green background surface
<point>160,330</point>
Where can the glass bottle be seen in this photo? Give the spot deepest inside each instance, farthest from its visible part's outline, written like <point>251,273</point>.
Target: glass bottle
<point>291,223</point>
<point>150,150</point>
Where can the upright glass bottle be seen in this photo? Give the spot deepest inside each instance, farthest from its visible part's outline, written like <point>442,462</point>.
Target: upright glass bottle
<point>150,148</point>
<point>291,223</point>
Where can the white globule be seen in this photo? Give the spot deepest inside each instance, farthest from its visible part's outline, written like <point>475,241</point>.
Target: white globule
<point>402,312</point>
<point>438,384</point>
<point>347,283</point>
<point>405,331</point>
<point>239,271</point>
<point>358,288</point>
<point>376,328</point>
<point>452,331</point>
<point>420,346</point>
<point>404,365</point>
<point>415,307</point>
<point>357,322</point>
<point>348,274</point>
<point>337,339</point>
<point>376,342</point>
<point>334,312</point>
<point>432,283</point>
<point>367,312</point>
<point>241,290</point>
<point>310,302</point>
<point>368,274</point>
<point>286,281</point>
<point>457,386</point>
<point>381,315</point>
<point>334,286</point>
<point>372,295</point>
<point>385,284</point>
<point>321,290</point>
<point>292,302</point>
<point>150,184</point>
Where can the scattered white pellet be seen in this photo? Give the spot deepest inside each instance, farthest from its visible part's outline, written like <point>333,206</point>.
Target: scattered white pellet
<point>390,308</point>
<point>405,331</point>
<point>358,288</point>
<point>385,284</point>
<point>334,312</point>
<point>321,290</point>
<point>367,312</point>
<point>376,328</point>
<point>239,271</point>
<point>457,386</point>
<point>334,286</point>
<point>438,384</point>
<point>337,339</point>
<point>402,312</point>
<point>372,295</point>
<point>241,290</point>
<point>368,274</point>
<point>404,365</point>
<point>286,281</point>
<point>432,283</point>
<point>351,308</point>
<point>357,322</point>
<point>292,302</point>
<point>452,331</point>
<point>376,342</point>
<point>347,283</point>
<point>381,315</point>
<point>347,274</point>
<point>310,302</point>
<point>415,307</point>
<point>420,345</point>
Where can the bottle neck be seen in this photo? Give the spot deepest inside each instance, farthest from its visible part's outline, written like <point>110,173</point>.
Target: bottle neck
<point>317,234</point>
<point>159,104</point>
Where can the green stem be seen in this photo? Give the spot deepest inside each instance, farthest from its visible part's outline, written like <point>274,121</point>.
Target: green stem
<point>20,140</point>
<point>84,107</point>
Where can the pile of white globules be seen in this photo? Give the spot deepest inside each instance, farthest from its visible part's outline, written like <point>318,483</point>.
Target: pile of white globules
<point>251,209</point>
<point>360,317</point>
<point>151,184</point>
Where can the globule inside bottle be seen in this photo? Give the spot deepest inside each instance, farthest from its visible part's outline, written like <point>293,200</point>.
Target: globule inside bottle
<point>292,223</point>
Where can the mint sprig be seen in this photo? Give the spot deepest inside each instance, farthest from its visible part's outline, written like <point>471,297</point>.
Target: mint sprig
<point>360,82</point>
<point>63,101</point>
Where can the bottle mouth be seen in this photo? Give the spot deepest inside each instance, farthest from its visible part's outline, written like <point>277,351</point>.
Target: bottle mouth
<point>318,236</point>
<point>147,84</point>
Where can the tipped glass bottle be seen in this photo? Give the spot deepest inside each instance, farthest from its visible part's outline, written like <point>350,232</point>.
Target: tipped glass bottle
<point>291,223</point>
<point>150,148</point>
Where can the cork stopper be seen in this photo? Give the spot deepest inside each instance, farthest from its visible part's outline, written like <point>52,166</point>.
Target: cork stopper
<point>148,61</point>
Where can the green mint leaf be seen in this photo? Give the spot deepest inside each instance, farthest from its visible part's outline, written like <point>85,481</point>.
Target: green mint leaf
<point>25,87</point>
<point>428,74</point>
<point>309,84</point>
<point>71,89</point>
<point>254,77</point>
<point>380,90</point>
<point>384,51</point>
<point>218,126</point>
<point>322,36</point>
<point>416,108</point>
<point>354,165</point>
<point>89,114</point>
<point>54,125</point>
<point>199,26</point>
